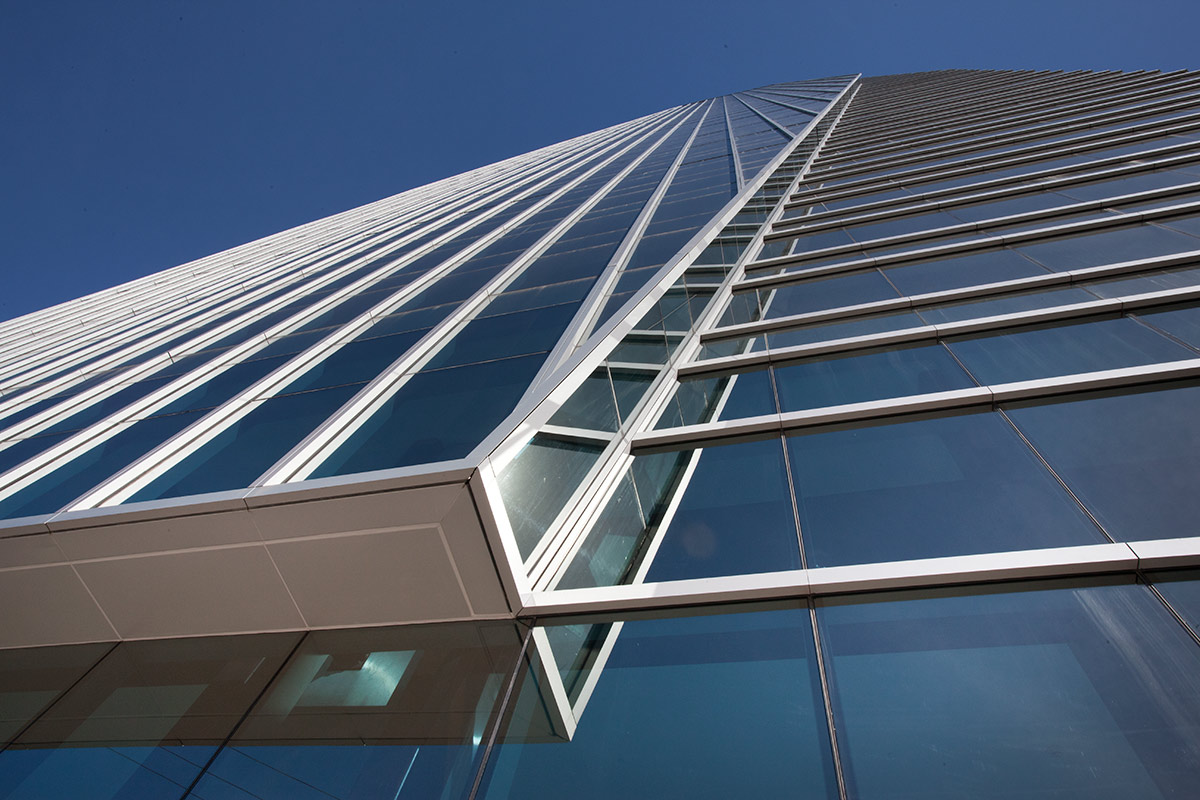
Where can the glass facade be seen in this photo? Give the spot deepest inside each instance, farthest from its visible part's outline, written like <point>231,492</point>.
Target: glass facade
<point>835,439</point>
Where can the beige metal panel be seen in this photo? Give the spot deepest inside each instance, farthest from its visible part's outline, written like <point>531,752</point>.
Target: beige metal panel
<point>383,577</point>
<point>56,608</point>
<point>221,590</point>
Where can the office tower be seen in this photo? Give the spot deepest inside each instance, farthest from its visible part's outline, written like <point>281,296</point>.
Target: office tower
<point>836,438</point>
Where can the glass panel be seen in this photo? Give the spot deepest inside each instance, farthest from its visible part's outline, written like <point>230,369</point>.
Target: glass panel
<point>818,295</point>
<point>932,487</point>
<point>843,330</point>
<point>438,415</point>
<point>538,482</point>
<point>145,721</point>
<point>1182,323</point>
<point>1108,246</point>
<point>1132,459</point>
<point>735,516</point>
<point>372,713</point>
<point>30,679</point>
<point>696,707</point>
<point>814,383</point>
<point>1064,350</point>
<point>986,266</point>
<point>1089,692</point>
<point>1181,588</point>
<point>245,450</point>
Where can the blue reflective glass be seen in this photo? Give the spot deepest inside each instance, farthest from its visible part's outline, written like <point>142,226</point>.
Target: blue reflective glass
<point>1075,692</point>
<point>88,469</point>
<point>1004,304</point>
<point>735,516</point>
<point>489,338</point>
<point>1108,246</point>
<point>835,292</point>
<point>899,372</point>
<point>1181,588</point>
<point>932,487</point>
<point>358,361</point>
<point>246,449</point>
<point>1064,350</point>
<point>985,266</point>
<point>696,707</point>
<point>1182,323</point>
<point>860,326</point>
<point>1132,459</point>
<point>435,416</point>
<point>750,395</point>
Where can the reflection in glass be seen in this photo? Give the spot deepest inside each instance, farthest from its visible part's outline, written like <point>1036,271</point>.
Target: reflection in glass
<point>372,713</point>
<point>145,721</point>
<point>1055,692</point>
<point>695,707</point>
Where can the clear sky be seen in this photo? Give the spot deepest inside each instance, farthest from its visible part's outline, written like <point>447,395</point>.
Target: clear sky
<point>138,135</point>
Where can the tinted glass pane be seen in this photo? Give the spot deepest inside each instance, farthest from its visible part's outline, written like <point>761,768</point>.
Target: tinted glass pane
<point>436,416</point>
<point>845,330</point>
<point>246,449</point>
<point>874,376</point>
<point>672,695</point>
<point>1132,459</point>
<point>31,679</point>
<point>1182,590</point>
<point>143,723</point>
<point>1064,350</point>
<point>986,266</point>
<point>1182,323</point>
<point>735,516</point>
<point>380,713</point>
<point>818,295</point>
<point>1108,247</point>
<point>1005,304</point>
<point>934,487</point>
<point>1061,692</point>
<point>539,481</point>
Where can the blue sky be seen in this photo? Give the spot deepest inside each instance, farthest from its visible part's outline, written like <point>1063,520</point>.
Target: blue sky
<point>143,134</point>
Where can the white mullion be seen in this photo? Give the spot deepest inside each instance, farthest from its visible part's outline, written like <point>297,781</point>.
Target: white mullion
<point>733,148</point>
